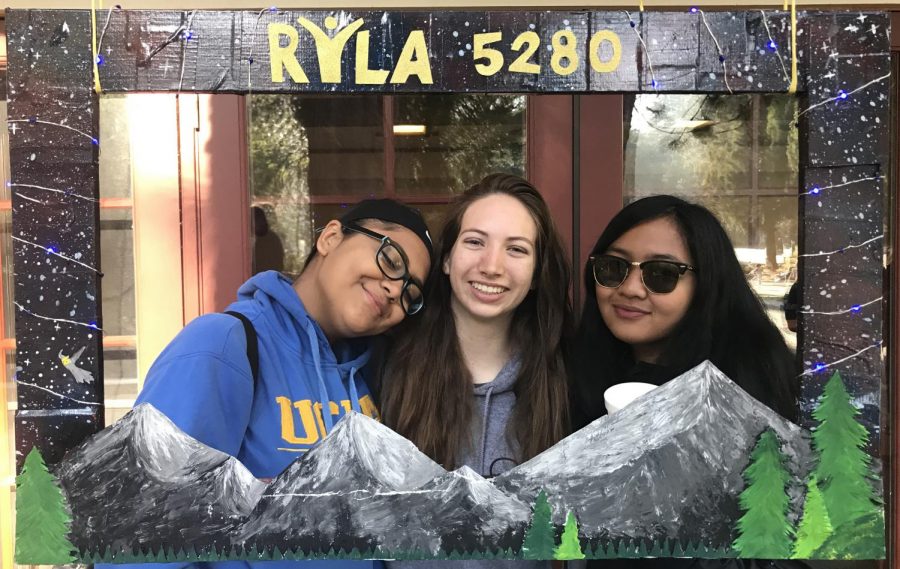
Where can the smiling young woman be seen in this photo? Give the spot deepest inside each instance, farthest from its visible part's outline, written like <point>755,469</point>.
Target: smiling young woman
<point>664,292</point>
<point>480,379</point>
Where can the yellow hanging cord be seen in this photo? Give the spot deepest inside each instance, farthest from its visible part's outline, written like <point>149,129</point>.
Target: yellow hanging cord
<point>641,4</point>
<point>793,86</point>
<point>94,46</point>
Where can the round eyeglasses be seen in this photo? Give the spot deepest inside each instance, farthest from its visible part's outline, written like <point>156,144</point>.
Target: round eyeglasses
<point>394,265</point>
<point>659,276</point>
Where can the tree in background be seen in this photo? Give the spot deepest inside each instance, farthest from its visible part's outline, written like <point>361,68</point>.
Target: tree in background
<point>540,539</point>
<point>843,467</point>
<point>764,530</point>
<point>569,547</point>
<point>815,526</point>
<point>42,517</point>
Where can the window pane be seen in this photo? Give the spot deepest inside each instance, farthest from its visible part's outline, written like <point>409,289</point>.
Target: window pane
<point>115,141</point>
<point>433,214</point>
<point>736,155</point>
<point>117,258</point>
<point>445,143</point>
<point>688,144</point>
<point>777,162</point>
<point>120,381</point>
<point>313,154</point>
<point>117,264</point>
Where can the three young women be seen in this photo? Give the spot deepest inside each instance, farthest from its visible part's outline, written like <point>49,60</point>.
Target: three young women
<point>664,292</point>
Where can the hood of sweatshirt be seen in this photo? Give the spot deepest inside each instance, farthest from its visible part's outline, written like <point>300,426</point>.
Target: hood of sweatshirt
<point>287,322</point>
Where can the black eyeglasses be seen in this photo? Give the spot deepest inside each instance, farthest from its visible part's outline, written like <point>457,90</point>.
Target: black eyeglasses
<point>658,276</point>
<point>394,265</point>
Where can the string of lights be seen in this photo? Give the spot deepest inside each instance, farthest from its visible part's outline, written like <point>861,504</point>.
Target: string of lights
<point>92,325</point>
<point>35,120</point>
<point>53,251</point>
<point>855,309</point>
<point>51,392</point>
<point>842,249</point>
<point>653,82</point>
<point>43,188</point>
<point>822,366</point>
<point>844,94</point>
<point>774,46</point>
<point>722,58</point>
<point>816,190</point>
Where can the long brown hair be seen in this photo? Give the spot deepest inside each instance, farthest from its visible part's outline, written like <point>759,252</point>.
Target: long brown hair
<point>427,394</point>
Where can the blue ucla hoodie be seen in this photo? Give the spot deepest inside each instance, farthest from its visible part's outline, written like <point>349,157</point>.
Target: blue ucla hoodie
<point>202,381</point>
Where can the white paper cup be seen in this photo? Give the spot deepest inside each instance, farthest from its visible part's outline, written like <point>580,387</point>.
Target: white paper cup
<point>620,395</point>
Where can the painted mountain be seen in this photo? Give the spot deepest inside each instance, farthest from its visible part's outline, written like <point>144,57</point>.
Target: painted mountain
<point>668,466</point>
<point>694,468</point>
<point>368,489</point>
<point>143,483</point>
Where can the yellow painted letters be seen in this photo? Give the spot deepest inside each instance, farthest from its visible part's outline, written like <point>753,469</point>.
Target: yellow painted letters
<point>613,62</point>
<point>311,419</point>
<point>413,60</point>
<point>281,58</point>
<point>329,49</point>
<point>306,417</point>
<point>364,75</point>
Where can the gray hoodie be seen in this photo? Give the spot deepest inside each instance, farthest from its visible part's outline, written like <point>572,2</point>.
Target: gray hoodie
<point>491,453</point>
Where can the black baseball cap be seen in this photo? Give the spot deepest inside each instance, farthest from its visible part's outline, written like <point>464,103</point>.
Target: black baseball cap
<point>392,211</point>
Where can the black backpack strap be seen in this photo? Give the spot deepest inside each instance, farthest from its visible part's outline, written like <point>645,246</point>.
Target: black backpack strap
<point>252,345</point>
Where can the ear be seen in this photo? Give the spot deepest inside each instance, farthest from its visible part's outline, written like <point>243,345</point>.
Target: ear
<point>445,266</point>
<point>330,237</point>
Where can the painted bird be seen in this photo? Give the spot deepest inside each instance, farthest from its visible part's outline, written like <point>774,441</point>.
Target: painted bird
<point>80,375</point>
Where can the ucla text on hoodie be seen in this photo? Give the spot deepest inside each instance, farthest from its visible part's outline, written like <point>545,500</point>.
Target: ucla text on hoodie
<point>302,422</point>
<point>202,380</point>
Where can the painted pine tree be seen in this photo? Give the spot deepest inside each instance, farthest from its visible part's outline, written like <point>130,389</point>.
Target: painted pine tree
<point>843,467</point>
<point>42,517</point>
<point>569,546</point>
<point>540,538</point>
<point>815,526</point>
<point>764,531</point>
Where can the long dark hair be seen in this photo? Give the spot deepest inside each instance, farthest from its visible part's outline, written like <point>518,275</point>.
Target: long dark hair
<point>427,392</point>
<point>725,322</point>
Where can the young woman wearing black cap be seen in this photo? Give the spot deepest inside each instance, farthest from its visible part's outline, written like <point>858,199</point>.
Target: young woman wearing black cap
<point>312,337</point>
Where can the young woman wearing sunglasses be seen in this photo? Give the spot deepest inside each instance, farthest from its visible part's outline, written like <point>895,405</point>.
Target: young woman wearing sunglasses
<point>479,379</point>
<point>664,292</point>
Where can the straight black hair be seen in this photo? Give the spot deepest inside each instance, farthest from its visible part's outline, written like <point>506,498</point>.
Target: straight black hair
<point>725,322</point>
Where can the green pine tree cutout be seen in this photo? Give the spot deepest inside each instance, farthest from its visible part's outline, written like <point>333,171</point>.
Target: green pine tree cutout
<point>764,531</point>
<point>540,539</point>
<point>815,526</point>
<point>42,517</point>
<point>843,468</point>
<point>569,547</point>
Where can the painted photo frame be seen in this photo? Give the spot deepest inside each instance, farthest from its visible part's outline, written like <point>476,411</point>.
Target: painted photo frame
<point>60,61</point>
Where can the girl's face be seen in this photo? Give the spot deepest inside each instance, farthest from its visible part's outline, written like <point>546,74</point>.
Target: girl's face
<point>633,314</point>
<point>356,298</point>
<point>491,265</point>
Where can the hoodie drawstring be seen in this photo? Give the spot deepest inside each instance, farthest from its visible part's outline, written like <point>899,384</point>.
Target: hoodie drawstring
<point>484,426</point>
<point>354,396</point>
<point>323,391</point>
